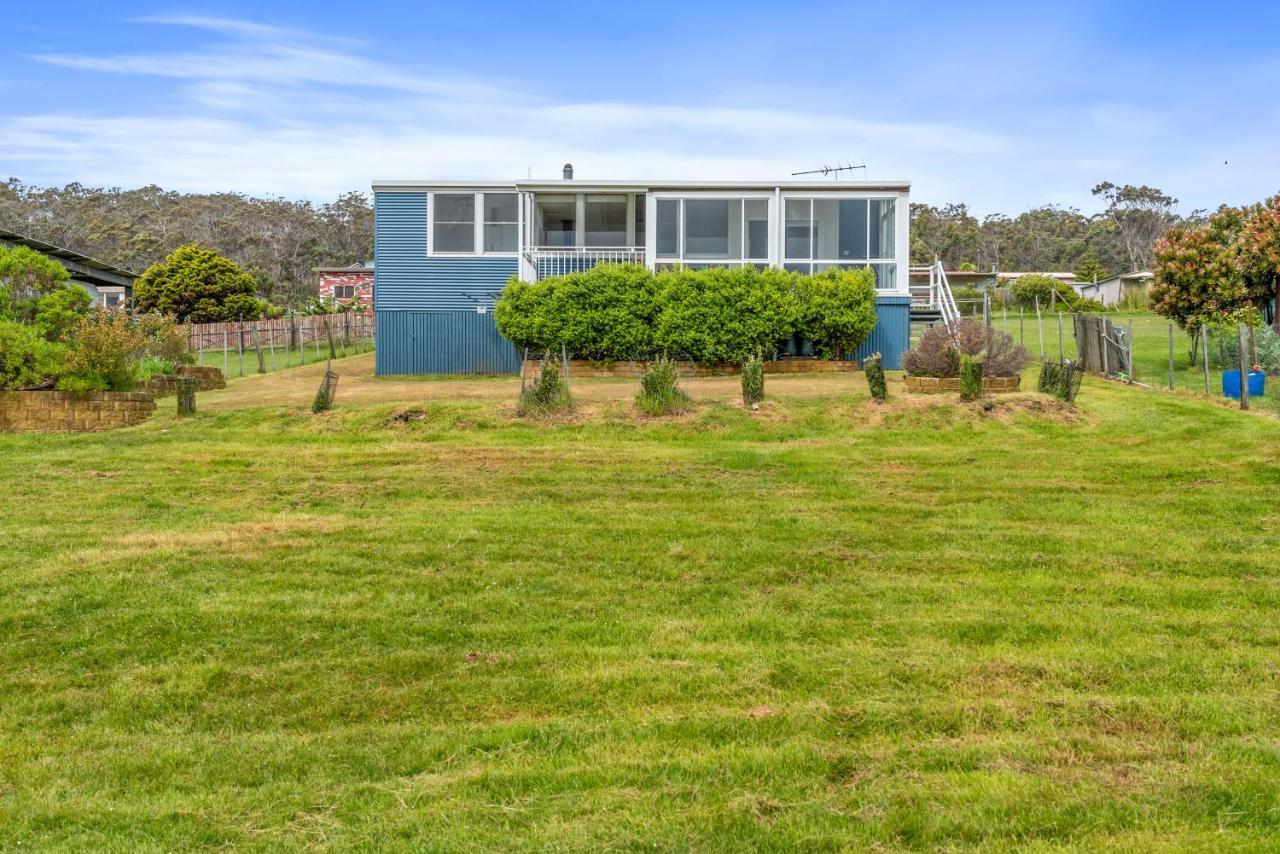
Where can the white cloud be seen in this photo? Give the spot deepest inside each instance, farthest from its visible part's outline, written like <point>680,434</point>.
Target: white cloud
<point>273,110</point>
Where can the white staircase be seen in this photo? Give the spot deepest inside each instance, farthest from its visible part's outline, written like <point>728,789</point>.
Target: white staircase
<point>932,303</point>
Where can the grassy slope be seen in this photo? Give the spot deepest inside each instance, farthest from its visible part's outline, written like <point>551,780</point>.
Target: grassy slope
<point>802,628</point>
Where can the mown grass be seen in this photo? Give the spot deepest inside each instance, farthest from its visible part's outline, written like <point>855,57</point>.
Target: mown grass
<point>827,624</point>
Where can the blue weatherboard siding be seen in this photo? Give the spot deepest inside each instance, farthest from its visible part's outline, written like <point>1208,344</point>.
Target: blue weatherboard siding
<point>405,279</point>
<point>426,307</point>
<point>442,342</point>
<point>892,333</point>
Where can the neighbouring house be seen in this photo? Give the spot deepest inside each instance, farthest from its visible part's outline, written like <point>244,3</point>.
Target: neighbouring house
<point>444,250</point>
<point>108,284</point>
<point>352,284</point>
<point>1129,288</point>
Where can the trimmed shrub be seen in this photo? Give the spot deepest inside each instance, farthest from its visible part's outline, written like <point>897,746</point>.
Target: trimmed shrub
<point>106,354</point>
<point>547,394</point>
<point>838,310</point>
<point>939,351</point>
<point>660,393</point>
<point>724,314</point>
<point>27,358</point>
<point>752,380</point>
<point>968,300</point>
<point>970,378</point>
<point>873,366</point>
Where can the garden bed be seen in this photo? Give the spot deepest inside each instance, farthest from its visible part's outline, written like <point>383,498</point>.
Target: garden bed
<point>940,385</point>
<point>63,412</point>
<point>581,369</point>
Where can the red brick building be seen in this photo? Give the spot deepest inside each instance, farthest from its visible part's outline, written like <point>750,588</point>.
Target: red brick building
<point>352,284</point>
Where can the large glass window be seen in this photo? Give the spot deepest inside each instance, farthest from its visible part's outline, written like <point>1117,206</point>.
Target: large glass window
<point>713,228</point>
<point>798,243</point>
<point>557,220</point>
<point>640,221</point>
<point>455,222</point>
<point>668,228</point>
<point>882,228</point>
<point>842,233</point>
<point>606,220</point>
<point>501,228</point>
<point>756,212</point>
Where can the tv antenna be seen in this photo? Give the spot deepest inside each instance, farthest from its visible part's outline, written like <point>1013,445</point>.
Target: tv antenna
<point>831,170</point>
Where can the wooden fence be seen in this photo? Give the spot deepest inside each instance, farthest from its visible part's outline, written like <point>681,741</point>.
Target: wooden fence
<point>290,331</point>
<point>1102,347</point>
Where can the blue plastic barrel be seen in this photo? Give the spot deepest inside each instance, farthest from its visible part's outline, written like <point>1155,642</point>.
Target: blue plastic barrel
<point>1231,384</point>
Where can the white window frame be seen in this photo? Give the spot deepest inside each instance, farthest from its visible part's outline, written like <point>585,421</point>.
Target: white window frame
<point>651,227</point>
<point>478,224</point>
<point>899,259</point>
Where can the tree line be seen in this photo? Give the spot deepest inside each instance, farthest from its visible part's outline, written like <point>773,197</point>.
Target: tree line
<point>279,240</point>
<point>1118,240</point>
<point>276,240</point>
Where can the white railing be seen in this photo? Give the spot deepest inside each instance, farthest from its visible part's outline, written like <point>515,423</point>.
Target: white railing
<point>936,296</point>
<point>559,261</point>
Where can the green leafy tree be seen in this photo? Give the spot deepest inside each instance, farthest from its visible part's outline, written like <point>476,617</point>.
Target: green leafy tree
<point>1198,276</point>
<point>58,312</point>
<point>838,310</point>
<point>25,277</point>
<point>1258,252</point>
<point>197,285</point>
<point>1026,290</point>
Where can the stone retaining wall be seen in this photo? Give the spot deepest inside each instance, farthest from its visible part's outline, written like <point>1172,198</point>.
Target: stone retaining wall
<point>61,412</point>
<point>935,385</point>
<point>165,385</point>
<point>579,369</point>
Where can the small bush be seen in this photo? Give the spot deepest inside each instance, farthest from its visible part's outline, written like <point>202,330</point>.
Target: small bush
<point>970,378</point>
<point>1060,379</point>
<point>968,300</point>
<point>752,380</point>
<point>164,340</point>
<point>1025,290</point>
<point>106,354</point>
<point>1087,305</point>
<point>941,347</point>
<point>57,313</point>
<point>547,394</point>
<point>873,366</point>
<point>660,393</point>
<point>26,358</point>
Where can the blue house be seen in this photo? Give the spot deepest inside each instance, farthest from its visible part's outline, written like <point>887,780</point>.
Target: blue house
<point>443,250</point>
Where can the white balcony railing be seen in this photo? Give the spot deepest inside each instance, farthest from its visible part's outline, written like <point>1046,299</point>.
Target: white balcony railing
<point>562,260</point>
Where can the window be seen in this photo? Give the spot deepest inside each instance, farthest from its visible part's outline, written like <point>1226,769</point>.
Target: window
<point>557,220</point>
<point>834,232</point>
<point>697,229</point>
<point>640,215</point>
<point>668,228</point>
<point>341,292</point>
<point>501,226</point>
<point>455,222</point>
<point>606,221</point>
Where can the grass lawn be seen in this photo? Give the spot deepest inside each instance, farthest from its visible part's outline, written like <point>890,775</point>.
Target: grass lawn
<point>824,625</point>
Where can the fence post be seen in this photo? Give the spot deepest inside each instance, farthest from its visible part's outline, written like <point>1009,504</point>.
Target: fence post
<point>226,371</point>
<point>1040,327</point>
<point>1128,354</point>
<point>1022,316</point>
<point>1061,353</point>
<point>1104,341</point>
<point>1244,368</point>
<point>257,348</point>
<point>1170,356</point>
<point>1204,339</point>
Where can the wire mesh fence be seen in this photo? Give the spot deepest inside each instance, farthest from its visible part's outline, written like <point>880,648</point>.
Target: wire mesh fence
<point>239,348</point>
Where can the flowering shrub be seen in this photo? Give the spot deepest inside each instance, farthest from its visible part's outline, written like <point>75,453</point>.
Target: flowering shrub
<point>106,352</point>
<point>938,353</point>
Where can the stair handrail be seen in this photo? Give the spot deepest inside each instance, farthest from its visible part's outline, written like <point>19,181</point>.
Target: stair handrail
<point>946,301</point>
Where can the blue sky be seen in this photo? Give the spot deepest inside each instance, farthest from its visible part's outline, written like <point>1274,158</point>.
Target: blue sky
<point>1002,105</point>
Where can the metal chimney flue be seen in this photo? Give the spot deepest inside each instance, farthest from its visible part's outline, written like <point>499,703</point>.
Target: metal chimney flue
<point>568,171</point>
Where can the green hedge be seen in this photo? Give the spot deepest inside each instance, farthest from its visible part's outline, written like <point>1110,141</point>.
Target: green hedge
<point>721,314</point>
